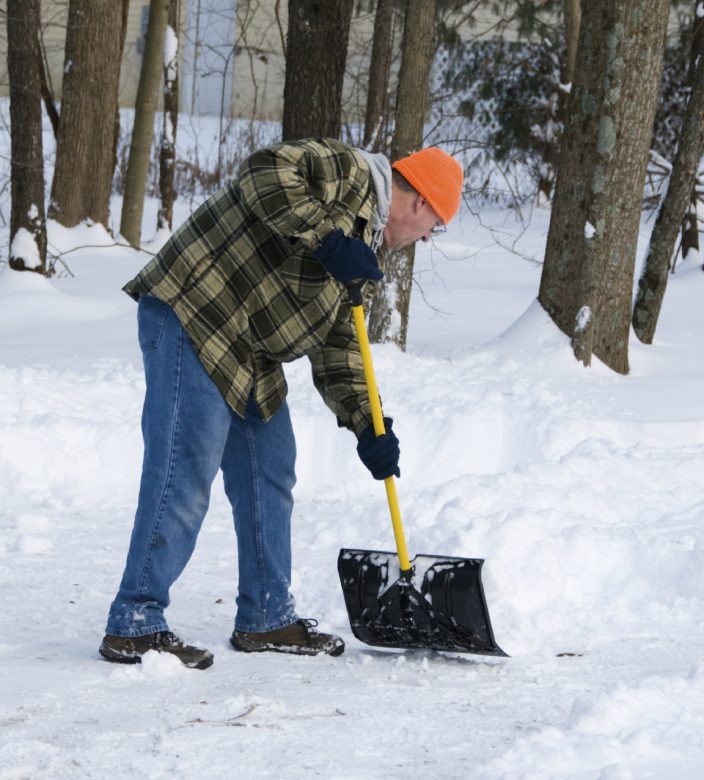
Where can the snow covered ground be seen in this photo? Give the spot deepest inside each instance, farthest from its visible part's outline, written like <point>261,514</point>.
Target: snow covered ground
<point>582,489</point>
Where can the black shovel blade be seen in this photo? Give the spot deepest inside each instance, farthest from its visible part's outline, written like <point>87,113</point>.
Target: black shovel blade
<point>438,604</point>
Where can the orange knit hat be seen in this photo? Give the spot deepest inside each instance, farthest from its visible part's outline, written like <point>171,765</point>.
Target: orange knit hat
<point>437,177</point>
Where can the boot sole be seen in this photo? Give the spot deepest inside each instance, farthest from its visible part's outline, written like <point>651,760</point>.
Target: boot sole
<point>205,663</point>
<point>289,650</point>
<point>120,659</point>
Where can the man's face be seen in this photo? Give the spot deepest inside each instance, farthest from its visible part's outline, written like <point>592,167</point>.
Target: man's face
<point>411,219</point>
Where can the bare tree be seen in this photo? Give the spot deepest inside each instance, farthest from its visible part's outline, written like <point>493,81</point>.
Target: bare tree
<point>316,52</point>
<point>661,250</point>
<point>547,132</point>
<point>85,160</point>
<point>690,224</point>
<point>587,278</point>
<point>388,315</point>
<point>27,218</point>
<point>379,72</point>
<point>572,10</point>
<point>167,147</point>
<point>143,131</point>
<point>117,128</point>
<point>47,93</point>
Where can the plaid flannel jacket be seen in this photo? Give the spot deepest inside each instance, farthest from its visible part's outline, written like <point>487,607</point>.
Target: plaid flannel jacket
<point>242,279</point>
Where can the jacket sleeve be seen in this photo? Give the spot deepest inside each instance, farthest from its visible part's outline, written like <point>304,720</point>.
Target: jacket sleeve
<point>293,187</point>
<point>338,374</point>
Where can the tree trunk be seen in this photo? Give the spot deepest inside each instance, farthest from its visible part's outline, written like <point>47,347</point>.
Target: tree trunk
<point>587,278</point>
<point>556,106</point>
<point>167,149</point>
<point>150,77</point>
<point>316,53</point>
<point>653,280</point>
<point>47,94</point>
<point>84,152</point>
<point>379,71</point>
<point>117,126</point>
<point>388,315</point>
<point>27,219</point>
<point>690,225</point>
<point>573,20</point>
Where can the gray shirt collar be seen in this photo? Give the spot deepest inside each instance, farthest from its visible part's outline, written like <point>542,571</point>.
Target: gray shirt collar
<point>380,170</point>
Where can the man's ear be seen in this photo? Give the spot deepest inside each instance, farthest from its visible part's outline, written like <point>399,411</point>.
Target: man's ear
<point>420,202</point>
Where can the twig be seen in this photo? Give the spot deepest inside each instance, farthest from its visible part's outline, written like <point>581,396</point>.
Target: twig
<point>58,255</point>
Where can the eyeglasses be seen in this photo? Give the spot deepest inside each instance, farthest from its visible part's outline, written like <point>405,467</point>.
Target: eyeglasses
<point>438,230</point>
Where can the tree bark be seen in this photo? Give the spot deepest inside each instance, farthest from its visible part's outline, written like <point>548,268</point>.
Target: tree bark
<point>690,225</point>
<point>379,72</point>
<point>586,284</point>
<point>82,181</point>
<point>27,218</point>
<point>167,149</point>
<point>117,129</point>
<point>556,106</point>
<point>388,315</point>
<point>573,20</point>
<point>316,53</point>
<point>653,281</point>
<point>150,77</point>
<point>47,94</point>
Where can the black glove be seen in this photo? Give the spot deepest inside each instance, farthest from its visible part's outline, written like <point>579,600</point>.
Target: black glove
<point>380,454</point>
<point>347,258</point>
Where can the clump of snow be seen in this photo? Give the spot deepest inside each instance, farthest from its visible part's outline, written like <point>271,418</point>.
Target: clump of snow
<point>25,248</point>
<point>161,666</point>
<point>583,318</point>
<point>589,230</point>
<point>34,545</point>
<point>170,51</point>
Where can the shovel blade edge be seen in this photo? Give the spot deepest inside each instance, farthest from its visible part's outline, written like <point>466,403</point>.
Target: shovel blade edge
<point>438,605</point>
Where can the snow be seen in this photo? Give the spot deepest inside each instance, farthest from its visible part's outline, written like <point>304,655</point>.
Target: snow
<point>25,248</point>
<point>589,230</point>
<point>580,488</point>
<point>170,51</point>
<point>584,316</point>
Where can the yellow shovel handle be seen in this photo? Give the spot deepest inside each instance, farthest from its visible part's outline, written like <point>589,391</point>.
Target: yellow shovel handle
<point>379,430</point>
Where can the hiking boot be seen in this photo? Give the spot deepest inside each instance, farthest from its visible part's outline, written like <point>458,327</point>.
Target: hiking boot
<point>130,649</point>
<point>299,638</point>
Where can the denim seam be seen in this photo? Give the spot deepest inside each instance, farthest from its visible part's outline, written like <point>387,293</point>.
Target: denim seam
<point>153,344</point>
<point>142,631</point>
<point>257,521</point>
<point>167,486</point>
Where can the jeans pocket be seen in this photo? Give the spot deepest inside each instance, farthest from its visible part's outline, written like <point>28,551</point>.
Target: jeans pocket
<point>151,316</point>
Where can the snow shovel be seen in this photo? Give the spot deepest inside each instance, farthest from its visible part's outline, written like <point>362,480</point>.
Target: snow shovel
<point>432,602</point>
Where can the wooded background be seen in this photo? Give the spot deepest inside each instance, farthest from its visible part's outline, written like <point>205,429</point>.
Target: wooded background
<point>595,110</point>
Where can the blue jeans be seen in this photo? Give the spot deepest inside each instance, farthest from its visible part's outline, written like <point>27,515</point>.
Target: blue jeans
<point>189,433</point>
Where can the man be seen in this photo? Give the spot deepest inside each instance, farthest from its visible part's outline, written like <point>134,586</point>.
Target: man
<point>253,279</point>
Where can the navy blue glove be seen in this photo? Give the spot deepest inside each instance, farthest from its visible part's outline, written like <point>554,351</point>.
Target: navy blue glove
<point>380,454</point>
<point>346,258</point>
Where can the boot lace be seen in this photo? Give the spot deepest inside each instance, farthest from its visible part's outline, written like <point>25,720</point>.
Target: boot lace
<point>309,624</point>
<point>166,639</point>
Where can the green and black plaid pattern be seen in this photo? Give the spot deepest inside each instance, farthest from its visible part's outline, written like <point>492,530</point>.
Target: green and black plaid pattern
<point>242,279</point>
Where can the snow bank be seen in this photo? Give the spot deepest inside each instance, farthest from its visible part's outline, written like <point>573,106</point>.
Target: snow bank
<point>578,487</point>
